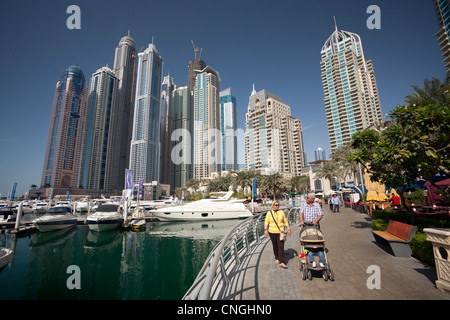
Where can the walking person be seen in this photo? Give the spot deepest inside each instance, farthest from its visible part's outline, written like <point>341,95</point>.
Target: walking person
<point>274,223</point>
<point>336,203</point>
<point>310,212</point>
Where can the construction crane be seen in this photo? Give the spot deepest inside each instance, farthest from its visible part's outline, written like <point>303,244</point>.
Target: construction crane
<point>196,50</point>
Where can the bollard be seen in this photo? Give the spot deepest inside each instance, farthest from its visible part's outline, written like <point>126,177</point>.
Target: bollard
<point>19,216</point>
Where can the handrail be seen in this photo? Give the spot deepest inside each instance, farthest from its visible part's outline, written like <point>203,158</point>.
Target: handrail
<point>224,260</point>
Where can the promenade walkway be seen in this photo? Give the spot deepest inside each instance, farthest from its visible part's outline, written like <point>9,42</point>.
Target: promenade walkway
<point>351,250</point>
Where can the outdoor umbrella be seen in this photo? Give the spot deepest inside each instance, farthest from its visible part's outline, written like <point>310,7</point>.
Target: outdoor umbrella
<point>433,197</point>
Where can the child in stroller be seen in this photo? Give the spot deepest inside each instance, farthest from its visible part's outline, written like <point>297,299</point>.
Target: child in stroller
<point>313,243</point>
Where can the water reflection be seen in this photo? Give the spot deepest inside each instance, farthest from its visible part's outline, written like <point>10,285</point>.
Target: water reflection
<point>159,262</point>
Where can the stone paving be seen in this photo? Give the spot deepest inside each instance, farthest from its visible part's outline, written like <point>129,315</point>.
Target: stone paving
<point>351,250</point>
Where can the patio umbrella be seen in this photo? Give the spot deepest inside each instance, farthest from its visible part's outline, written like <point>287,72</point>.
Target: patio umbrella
<point>443,183</point>
<point>433,197</point>
<point>375,190</point>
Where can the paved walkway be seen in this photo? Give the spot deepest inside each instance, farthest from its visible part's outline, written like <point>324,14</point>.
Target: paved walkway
<point>351,250</point>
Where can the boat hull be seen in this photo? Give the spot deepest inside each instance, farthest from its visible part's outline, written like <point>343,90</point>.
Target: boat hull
<point>54,224</point>
<point>102,225</point>
<point>206,215</point>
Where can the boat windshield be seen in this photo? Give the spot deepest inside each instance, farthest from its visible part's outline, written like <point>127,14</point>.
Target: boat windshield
<point>107,208</point>
<point>59,210</point>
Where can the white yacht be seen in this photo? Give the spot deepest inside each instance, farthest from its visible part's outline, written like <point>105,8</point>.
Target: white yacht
<point>40,207</point>
<point>57,217</point>
<point>106,217</point>
<point>220,208</point>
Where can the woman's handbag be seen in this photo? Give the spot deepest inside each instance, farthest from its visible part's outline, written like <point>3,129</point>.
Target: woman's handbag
<point>283,234</point>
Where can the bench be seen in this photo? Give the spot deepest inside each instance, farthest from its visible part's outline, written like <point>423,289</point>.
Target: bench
<point>399,236</point>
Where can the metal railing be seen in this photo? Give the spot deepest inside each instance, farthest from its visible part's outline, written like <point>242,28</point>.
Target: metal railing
<point>224,261</point>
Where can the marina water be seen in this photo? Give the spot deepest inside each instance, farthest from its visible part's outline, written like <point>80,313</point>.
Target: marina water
<point>158,263</point>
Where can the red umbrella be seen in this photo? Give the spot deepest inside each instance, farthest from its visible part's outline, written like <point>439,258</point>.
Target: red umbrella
<point>433,197</point>
<point>443,183</point>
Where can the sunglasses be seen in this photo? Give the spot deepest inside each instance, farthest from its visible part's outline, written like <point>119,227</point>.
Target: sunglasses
<point>276,205</point>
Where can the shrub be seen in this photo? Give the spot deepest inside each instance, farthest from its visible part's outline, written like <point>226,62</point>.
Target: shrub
<point>422,249</point>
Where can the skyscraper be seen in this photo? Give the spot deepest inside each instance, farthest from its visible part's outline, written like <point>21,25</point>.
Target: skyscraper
<point>65,136</point>
<point>273,138</point>
<point>228,125</point>
<point>103,135</point>
<point>442,8</point>
<point>165,128</point>
<point>319,154</point>
<point>145,144</point>
<point>351,95</point>
<point>125,71</point>
<point>181,132</point>
<point>207,137</point>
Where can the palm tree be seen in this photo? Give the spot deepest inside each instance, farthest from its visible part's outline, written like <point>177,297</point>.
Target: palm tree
<point>341,156</point>
<point>430,91</point>
<point>299,184</point>
<point>328,170</point>
<point>273,184</point>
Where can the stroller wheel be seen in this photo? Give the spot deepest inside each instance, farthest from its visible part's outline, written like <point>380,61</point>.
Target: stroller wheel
<point>331,275</point>
<point>303,273</point>
<point>309,275</point>
<point>325,275</point>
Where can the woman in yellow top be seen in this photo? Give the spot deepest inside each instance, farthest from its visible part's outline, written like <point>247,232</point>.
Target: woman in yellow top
<point>274,232</point>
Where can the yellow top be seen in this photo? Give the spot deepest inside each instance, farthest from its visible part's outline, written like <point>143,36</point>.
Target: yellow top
<point>279,217</point>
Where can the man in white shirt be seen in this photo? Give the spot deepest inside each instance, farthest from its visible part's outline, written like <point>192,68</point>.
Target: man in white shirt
<point>335,200</point>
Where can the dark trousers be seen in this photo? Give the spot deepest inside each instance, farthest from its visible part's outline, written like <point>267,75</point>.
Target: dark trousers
<point>278,246</point>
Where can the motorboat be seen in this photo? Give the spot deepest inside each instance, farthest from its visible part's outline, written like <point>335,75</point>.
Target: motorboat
<point>6,256</point>
<point>57,217</point>
<point>106,217</point>
<point>82,205</point>
<point>40,207</point>
<point>214,208</point>
<point>138,224</point>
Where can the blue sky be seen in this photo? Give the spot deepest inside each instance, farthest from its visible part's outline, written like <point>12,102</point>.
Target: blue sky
<point>272,44</point>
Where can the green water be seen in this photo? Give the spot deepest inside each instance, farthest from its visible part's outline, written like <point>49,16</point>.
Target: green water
<point>159,263</point>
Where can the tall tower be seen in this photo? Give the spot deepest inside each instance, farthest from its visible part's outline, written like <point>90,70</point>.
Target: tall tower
<point>145,143</point>
<point>103,135</point>
<point>273,138</point>
<point>182,114</point>
<point>195,66</point>
<point>228,125</point>
<point>319,154</point>
<point>65,136</point>
<point>351,95</point>
<point>165,129</point>
<point>125,71</point>
<point>207,137</point>
<point>442,8</point>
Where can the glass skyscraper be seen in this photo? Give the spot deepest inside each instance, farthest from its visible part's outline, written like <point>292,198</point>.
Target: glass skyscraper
<point>351,95</point>
<point>125,71</point>
<point>102,138</point>
<point>228,125</point>
<point>145,143</point>
<point>207,137</point>
<point>65,136</point>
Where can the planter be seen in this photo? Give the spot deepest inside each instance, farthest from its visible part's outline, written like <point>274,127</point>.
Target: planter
<point>440,238</point>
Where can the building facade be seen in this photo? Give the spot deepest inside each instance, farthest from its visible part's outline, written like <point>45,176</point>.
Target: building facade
<point>165,129</point>
<point>442,8</point>
<point>145,143</point>
<point>207,138</point>
<point>63,153</point>
<point>273,138</point>
<point>182,124</point>
<point>125,71</point>
<point>103,134</point>
<point>350,91</point>
<point>228,126</point>
<point>319,154</point>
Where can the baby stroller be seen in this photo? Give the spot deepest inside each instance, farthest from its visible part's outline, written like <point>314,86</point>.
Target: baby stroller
<point>311,238</point>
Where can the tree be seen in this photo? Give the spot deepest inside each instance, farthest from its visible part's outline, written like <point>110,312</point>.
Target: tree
<point>327,170</point>
<point>299,184</point>
<point>430,91</point>
<point>414,145</point>
<point>273,184</point>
